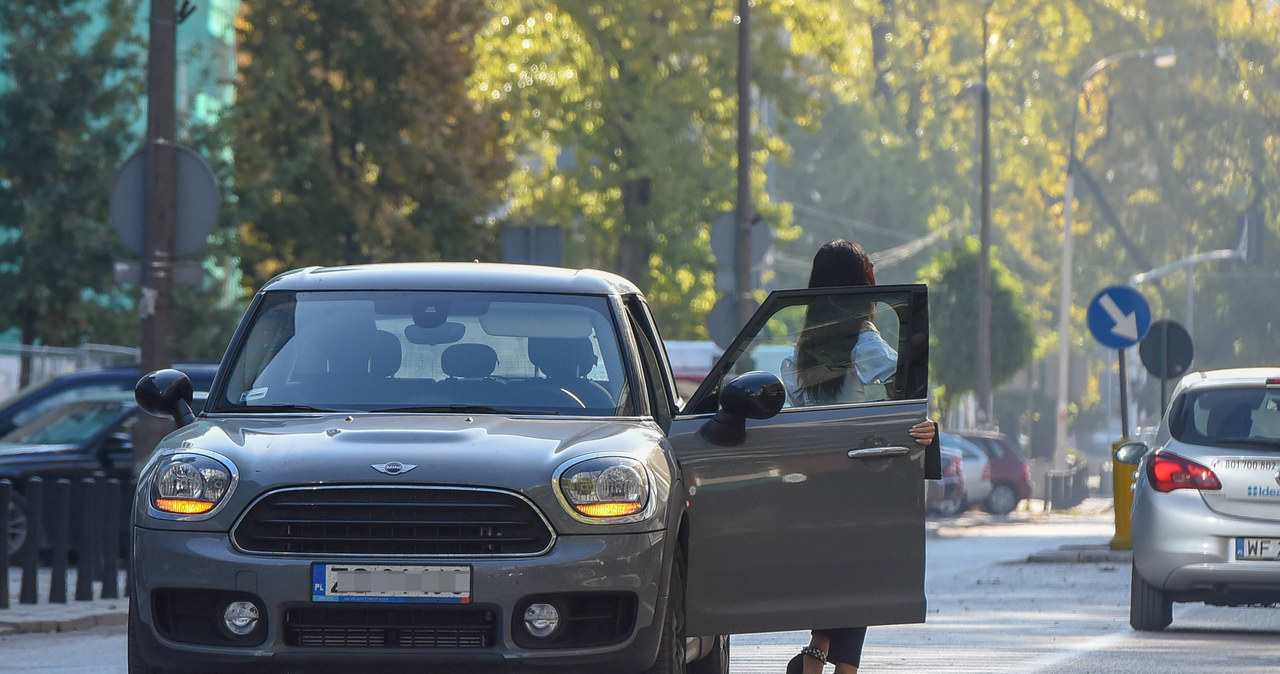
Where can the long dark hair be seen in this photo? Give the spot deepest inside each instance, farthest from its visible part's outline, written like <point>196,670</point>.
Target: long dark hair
<point>824,348</point>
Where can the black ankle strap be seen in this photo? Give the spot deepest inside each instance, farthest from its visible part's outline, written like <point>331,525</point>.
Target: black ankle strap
<point>816,654</point>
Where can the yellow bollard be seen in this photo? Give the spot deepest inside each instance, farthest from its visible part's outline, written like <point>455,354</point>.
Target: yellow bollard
<point>1122,479</point>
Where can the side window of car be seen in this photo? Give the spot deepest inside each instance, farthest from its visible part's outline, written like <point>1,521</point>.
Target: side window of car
<point>659,390</point>
<point>833,346</point>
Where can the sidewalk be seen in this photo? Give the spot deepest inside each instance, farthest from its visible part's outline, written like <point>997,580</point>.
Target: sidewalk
<point>1095,510</point>
<point>73,615</point>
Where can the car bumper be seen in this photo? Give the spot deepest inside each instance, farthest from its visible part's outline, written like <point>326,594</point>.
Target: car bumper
<point>208,570</point>
<point>1180,546</point>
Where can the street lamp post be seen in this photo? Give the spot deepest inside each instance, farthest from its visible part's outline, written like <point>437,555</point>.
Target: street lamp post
<point>1162,57</point>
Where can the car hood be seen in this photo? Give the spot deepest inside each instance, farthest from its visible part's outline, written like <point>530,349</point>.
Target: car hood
<point>517,453</point>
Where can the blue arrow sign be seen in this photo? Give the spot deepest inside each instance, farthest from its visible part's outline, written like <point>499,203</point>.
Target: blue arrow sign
<point>1119,317</point>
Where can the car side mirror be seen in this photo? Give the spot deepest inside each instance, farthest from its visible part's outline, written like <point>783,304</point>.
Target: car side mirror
<point>754,395</point>
<point>1131,453</point>
<point>166,393</point>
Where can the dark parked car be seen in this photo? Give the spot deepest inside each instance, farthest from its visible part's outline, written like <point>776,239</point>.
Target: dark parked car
<point>480,467</point>
<point>37,398</point>
<point>1010,473</point>
<point>76,439</point>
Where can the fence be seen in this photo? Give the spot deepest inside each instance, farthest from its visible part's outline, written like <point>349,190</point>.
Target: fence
<point>47,362</point>
<point>94,509</point>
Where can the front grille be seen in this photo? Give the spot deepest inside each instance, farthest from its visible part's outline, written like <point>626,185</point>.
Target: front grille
<point>393,521</point>
<point>418,627</point>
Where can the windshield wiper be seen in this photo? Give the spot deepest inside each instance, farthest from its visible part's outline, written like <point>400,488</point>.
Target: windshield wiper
<point>464,409</point>
<point>278,407</point>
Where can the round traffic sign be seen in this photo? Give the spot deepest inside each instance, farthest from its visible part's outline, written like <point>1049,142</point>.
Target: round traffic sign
<point>198,202</point>
<point>1119,316</point>
<point>1167,351</point>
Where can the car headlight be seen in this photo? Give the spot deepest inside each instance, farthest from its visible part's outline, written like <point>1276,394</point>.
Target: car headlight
<point>189,484</point>
<point>612,488</point>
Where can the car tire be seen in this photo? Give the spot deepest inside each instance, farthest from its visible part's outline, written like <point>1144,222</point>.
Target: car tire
<point>17,529</point>
<point>1150,610</point>
<point>671,645</point>
<point>1002,499</point>
<point>715,662</point>
<point>949,507</point>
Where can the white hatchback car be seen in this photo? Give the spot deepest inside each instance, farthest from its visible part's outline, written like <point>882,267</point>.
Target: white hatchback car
<point>977,468</point>
<point>1206,505</point>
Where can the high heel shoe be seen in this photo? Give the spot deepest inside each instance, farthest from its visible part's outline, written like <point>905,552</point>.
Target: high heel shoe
<point>796,665</point>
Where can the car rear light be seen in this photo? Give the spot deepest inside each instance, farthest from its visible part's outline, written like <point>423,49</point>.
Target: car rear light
<point>1026,472</point>
<point>1273,382</point>
<point>1170,471</point>
<point>952,468</point>
<point>986,473</point>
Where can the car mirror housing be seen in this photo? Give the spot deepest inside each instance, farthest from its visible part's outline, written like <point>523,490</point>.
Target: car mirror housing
<point>1131,453</point>
<point>166,393</point>
<point>754,395</point>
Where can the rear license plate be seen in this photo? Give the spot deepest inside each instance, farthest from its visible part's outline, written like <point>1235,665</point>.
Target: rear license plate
<point>391,584</point>
<point>1267,549</point>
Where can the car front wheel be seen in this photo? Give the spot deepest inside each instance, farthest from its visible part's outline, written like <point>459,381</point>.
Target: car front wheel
<point>671,648</point>
<point>715,662</point>
<point>1150,610</point>
<point>17,528</point>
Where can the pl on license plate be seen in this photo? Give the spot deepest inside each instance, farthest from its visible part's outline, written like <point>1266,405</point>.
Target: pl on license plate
<point>391,584</point>
<point>1258,549</point>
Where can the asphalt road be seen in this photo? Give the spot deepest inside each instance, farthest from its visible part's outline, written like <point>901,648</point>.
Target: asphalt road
<point>989,611</point>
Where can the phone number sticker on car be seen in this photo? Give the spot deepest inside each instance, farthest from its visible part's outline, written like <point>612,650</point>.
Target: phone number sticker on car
<point>1267,549</point>
<point>391,584</point>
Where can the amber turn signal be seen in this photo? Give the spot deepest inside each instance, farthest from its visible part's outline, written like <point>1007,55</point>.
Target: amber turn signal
<point>182,506</point>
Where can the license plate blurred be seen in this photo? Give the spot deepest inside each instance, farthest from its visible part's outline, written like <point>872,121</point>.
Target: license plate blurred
<point>1265,549</point>
<point>391,584</point>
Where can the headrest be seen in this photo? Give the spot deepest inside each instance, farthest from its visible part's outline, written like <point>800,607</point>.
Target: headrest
<point>562,357</point>
<point>469,361</point>
<point>384,353</point>
<point>367,351</point>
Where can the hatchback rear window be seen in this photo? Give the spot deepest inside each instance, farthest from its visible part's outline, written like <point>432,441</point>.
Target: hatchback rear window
<point>1226,417</point>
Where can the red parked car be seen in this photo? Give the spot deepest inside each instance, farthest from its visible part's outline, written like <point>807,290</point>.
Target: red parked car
<point>1010,474</point>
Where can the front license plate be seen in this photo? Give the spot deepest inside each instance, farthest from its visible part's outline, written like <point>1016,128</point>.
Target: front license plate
<point>390,584</point>
<point>1267,549</point>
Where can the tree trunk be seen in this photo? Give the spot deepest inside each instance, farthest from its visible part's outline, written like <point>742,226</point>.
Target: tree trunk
<point>635,245</point>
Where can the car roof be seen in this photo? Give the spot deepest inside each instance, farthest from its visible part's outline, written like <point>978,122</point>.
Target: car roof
<point>1252,376</point>
<point>472,276</point>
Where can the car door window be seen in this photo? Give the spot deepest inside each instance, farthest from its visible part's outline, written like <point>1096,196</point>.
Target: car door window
<point>831,346</point>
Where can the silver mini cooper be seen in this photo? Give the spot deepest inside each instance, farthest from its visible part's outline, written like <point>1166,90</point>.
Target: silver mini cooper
<point>1206,505</point>
<point>470,467</point>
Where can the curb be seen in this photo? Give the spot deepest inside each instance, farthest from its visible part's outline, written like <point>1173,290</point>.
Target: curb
<point>108,618</point>
<point>1080,554</point>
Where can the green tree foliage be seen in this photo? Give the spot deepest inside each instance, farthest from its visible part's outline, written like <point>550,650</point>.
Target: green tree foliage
<point>355,138</point>
<point>70,85</point>
<point>625,113</point>
<point>953,308</point>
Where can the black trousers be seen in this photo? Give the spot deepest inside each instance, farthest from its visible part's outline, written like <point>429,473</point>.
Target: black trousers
<point>846,644</point>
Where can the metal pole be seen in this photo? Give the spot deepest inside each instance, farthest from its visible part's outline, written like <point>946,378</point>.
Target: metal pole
<point>1124,399</point>
<point>742,240</point>
<point>984,261</point>
<point>155,306</point>
<point>1064,310</point>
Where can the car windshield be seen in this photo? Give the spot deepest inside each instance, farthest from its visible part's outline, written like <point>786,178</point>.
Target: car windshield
<point>420,351</point>
<point>1228,417</point>
<point>73,423</point>
<point>962,445</point>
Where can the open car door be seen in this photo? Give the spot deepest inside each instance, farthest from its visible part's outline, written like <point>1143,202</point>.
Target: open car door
<point>815,519</point>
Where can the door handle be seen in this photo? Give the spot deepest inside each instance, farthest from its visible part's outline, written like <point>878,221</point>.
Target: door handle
<point>878,452</point>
